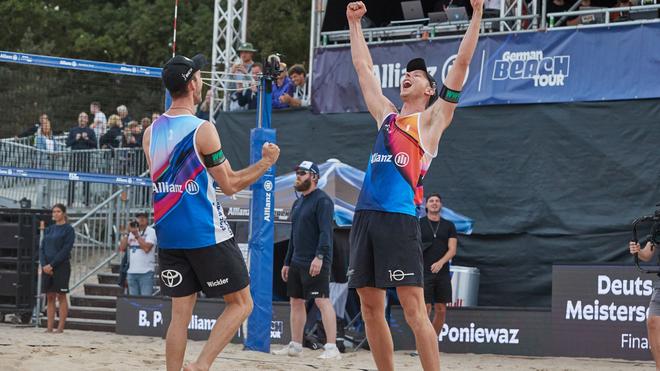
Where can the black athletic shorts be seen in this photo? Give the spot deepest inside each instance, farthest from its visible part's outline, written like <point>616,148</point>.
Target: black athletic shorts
<point>301,285</point>
<point>386,250</point>
<point>216,270</point>
<point>59,281</point>
<point>437,288</point>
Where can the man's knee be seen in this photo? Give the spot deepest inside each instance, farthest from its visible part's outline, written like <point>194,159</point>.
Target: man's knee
<point>242,300</point>
<point>653,325</point>
<point>441,309</point>
<point>371,312</point>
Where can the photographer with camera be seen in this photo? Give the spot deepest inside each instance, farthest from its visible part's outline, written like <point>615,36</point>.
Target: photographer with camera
<point>653,319</point>
<point>139,244</point>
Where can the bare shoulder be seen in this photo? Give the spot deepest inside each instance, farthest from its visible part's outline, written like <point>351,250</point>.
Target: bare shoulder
<point>207,138</point>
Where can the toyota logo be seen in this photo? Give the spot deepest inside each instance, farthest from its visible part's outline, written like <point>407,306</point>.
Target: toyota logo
<point>268,186</point>
<point>191,187</point>
<point>171,278</point>
<point>401,159</point>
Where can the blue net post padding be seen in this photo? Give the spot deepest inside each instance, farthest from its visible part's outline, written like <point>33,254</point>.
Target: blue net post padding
<point>261,231</point>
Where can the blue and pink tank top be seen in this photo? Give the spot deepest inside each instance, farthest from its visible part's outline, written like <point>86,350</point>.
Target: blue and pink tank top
<point>186,212</point>
<point>397,165</point>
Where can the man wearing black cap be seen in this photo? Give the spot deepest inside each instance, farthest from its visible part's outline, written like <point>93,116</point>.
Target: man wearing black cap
<point>308,260</point>
<point>196,247</point>
<point>385,236</point>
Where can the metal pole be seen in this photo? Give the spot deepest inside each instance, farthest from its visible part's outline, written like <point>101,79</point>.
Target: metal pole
<point>244,21</point>
<point>214,58</point>
<point>228,48</point>
<point>544,11</point>
<point>312,44</point>
<point>37,321</point>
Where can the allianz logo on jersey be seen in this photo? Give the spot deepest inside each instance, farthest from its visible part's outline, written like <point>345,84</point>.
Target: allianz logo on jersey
<point>401,159</point>
<point>190,187</point>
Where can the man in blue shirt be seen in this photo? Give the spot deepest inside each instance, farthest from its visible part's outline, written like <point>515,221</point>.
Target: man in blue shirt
<point>308,260</point>
<point>281,87</point>
<point>81,138</point>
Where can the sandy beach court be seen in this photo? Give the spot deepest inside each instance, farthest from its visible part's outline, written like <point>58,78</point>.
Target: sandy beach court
<point>27,348</point>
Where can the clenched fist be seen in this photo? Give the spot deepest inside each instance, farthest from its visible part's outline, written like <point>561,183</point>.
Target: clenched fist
<point>477,5</point>
<point>270,153</point>
<point>355,10</point>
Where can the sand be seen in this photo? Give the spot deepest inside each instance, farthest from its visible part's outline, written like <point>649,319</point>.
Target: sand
<point>26,348</point>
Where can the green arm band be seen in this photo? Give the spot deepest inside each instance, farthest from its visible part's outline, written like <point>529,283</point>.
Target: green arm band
<point>214,159</point>
<point>451,96</point>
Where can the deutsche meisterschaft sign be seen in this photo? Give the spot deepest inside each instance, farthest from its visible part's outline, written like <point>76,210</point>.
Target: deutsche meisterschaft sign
<point>600,311</point>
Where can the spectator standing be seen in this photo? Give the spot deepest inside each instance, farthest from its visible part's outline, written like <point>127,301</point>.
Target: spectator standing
<point>247,98</point>
<point>308,260</point>
<point>144,124</point>
<point>32,130</point>
<point>54,258</point>
<point>44,138</point>
<point>81,139</point>
<point>282,86</point>
<point>132,136</point>
<point>112,138</point>
<point>122,111</point>
<point>204,107</point>
<point>439,243</point>
<point>140,245</point>
<point>155,115</point>
<point>99,122</point>
<point>241,71</point>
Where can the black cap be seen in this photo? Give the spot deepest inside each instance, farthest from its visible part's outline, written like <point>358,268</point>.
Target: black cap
<point>418,64</point>
<point>179,70</point>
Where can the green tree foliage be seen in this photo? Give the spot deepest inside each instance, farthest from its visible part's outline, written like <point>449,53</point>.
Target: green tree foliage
<point>120,31</point>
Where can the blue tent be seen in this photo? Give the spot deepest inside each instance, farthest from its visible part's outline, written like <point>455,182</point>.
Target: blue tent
<point>341,182</point>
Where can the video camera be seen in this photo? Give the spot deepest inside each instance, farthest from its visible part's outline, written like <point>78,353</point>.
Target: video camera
<point>272,68</point>
<point>134,224</point>
<point>653,236</point>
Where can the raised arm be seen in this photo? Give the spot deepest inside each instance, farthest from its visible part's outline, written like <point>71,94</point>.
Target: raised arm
<point>230,181</point>
<point>377,103</point>
<point>440,114</point>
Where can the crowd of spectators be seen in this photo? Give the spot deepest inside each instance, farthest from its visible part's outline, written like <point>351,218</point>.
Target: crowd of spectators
<point>96,130</point>
<point>118,130</point>
<point>289,90</point>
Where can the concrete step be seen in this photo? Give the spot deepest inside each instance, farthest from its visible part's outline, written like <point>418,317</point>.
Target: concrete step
<point>109,314</point>
<point>108,278</point>
<point>84,324</point>
<point>114,268</point>
<point>94,301</point>
<point>103,289</point>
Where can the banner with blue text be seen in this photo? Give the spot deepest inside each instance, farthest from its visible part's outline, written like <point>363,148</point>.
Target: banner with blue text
<point>590,64</point>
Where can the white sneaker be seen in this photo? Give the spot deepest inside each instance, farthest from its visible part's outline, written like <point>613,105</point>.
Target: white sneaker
<point>288,350</point>
<point>330,353</point>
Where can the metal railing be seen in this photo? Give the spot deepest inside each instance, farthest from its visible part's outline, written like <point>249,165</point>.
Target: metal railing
<point>45,193</point>
<point>97,234</point>
<point>562,16</point>
<point>501,25</point>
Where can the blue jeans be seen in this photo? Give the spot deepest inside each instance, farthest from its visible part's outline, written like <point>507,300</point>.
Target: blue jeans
<point>140,283</point>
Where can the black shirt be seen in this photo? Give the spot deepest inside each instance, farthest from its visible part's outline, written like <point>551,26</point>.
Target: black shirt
<point>311,230</point>
<point>436,248</point>
<point>88,142</point>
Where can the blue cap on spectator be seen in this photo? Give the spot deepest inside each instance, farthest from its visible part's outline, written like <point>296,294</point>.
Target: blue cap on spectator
<point>309,166</point>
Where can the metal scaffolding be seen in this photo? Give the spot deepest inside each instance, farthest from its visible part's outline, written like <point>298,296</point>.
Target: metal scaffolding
<point>229,29</point>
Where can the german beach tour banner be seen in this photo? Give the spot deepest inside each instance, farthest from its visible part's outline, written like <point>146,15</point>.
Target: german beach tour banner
<point>590,64</point>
